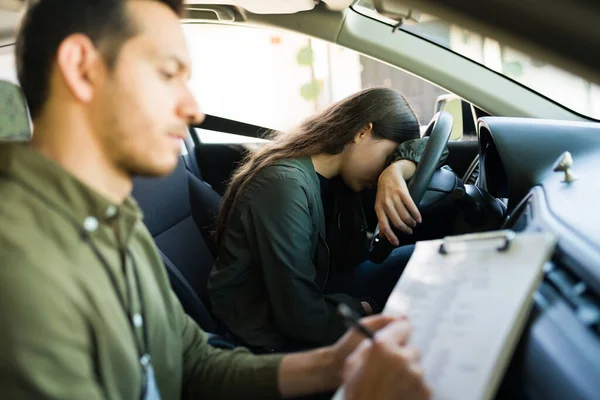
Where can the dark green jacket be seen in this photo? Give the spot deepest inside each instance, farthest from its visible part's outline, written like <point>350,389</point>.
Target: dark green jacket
<point>64,334</point>
<point>274,261</point>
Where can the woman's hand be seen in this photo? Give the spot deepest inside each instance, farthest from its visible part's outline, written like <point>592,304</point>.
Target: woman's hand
<point>367,307</point>
<point>393,203</point>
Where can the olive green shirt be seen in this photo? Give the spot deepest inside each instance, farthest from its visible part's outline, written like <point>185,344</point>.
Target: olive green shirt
<point>64,333</point>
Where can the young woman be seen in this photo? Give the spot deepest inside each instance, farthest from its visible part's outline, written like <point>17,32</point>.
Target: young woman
<point>292,232</point>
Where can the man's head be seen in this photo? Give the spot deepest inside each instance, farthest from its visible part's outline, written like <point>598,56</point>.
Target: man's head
<point>118,70</point>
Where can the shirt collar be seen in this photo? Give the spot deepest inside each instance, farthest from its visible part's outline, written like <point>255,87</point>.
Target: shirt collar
<point>61,190</point>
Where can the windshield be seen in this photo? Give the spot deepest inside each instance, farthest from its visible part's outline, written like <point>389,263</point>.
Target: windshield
<point>567,89</point>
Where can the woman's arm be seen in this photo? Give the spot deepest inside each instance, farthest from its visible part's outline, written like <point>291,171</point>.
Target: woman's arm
<point>412,150</point>
<point>393,205</point>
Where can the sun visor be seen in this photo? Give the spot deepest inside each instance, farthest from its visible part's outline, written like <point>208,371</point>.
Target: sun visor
<point>263,6</point>
<point>275,7</point>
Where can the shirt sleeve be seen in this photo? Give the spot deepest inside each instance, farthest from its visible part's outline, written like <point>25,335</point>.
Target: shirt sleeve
<point>44,342</point>
<point>413,150</point>
<point>211,373</point>
<point>279,221</point>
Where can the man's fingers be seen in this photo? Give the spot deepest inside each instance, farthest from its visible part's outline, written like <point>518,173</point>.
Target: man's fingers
<point>412,354</point>
<point>422,390</point>
<point>398,332</point>
<point>377,322</point>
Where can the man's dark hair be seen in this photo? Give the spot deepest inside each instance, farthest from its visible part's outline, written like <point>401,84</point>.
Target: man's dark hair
<point>48,23</point>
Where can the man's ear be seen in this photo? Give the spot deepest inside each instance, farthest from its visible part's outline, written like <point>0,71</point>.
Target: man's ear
<point>365,133</point>
<point>79,64</point>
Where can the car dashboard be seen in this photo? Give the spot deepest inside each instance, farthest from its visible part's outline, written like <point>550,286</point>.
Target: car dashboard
<point>559,354</point>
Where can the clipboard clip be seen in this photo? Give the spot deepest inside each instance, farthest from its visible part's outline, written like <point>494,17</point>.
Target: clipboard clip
<point>506,235</point>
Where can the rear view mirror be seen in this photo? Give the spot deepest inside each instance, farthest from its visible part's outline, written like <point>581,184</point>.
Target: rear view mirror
<point>14,118</point>
<point>397,11</point>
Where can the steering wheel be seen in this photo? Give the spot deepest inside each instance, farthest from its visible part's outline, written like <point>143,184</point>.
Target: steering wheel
<point>438,131</point>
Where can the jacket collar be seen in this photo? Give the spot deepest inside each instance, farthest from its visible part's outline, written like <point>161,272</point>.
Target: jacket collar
<point>306,166</point>
<point>309,169</point>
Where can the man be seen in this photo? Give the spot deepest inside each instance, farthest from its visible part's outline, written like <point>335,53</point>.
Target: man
<point>87,309</point>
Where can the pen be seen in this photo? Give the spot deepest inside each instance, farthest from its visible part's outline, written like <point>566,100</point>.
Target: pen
<point>351,320</point>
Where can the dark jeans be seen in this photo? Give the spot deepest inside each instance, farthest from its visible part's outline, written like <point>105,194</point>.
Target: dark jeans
<point>370,281</point>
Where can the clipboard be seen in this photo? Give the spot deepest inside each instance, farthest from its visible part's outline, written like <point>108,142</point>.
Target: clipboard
<point>506,236</point>
<point>468,298</point>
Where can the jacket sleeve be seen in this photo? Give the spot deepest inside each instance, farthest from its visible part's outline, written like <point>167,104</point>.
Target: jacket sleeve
<point>413,150</point>
<point>279,221</point>
<point>210,373</point>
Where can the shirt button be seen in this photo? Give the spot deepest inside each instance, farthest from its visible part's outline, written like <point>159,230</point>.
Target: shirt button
<point>138,321</point>
<point>145,360</point>
<point>90,224</point>
<point>111,211</point>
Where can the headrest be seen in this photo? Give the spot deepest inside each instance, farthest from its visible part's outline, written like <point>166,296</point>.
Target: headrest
<point>14,118</point>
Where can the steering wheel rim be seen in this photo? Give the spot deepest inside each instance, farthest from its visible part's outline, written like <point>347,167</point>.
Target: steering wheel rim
<point>438,133</point>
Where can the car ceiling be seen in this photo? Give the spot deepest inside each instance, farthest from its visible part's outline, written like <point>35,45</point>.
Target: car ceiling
<point>563,32</point>
<point>11,10</point>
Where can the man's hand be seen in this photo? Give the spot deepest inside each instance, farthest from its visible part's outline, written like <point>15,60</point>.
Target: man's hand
<point>385,368</point>
<point>352,338</point>
<point>393,203</point>
<point>320,370</point>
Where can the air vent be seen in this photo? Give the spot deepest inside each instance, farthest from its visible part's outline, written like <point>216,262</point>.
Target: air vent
<point>471,177</point>
<point>584,302</point>
<point>474,177</point>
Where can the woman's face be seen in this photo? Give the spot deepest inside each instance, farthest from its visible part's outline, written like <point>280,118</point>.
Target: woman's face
<point>364,160</point>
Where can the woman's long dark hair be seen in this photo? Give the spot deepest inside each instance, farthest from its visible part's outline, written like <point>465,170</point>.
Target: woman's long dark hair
<point>327,132</point>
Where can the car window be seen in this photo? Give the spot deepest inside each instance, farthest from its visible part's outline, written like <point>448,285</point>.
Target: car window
<point>15,123</point>
<point>8,71</point>
<point>561,86</point>
<point>275,79</point>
